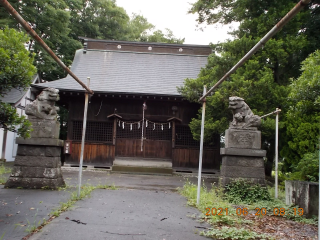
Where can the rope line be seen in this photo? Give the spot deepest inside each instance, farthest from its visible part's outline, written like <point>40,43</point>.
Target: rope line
<point>147,122</point>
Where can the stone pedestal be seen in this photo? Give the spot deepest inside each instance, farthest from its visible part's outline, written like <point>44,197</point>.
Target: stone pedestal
<point>44,128</point>
<point>242,156</point>
<point>37,164</point>
<point>38,160</point>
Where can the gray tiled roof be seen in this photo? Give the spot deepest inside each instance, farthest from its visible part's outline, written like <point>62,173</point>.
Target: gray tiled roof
<point>13,96</point>
<point>130,72</point>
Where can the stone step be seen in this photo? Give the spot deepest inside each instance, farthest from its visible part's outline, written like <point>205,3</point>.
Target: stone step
<point>135,162</point>
<point>142,169</point>
<point>142,165</point>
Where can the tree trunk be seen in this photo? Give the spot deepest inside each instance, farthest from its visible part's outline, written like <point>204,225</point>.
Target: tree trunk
<point>270,158</point>
<point>276,72</point>
<point>268,166</point>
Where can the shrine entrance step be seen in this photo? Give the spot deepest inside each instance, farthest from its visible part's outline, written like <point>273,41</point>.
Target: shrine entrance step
<point>143,165</point>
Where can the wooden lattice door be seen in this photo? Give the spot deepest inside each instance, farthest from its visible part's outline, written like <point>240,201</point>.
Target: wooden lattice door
<point>156,141</point>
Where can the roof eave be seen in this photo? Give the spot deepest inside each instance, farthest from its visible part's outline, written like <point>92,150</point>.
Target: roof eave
<point>110,92</point>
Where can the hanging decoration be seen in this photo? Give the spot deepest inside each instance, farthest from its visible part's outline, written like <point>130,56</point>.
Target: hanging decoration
<point>144,107</point>
<point>145,123</point>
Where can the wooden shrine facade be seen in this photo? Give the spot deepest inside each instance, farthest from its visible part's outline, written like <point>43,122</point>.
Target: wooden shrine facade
<point>114,129</point>
<point>124,75</point>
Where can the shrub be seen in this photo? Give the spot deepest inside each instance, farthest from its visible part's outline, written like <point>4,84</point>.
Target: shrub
<point>244,191</point>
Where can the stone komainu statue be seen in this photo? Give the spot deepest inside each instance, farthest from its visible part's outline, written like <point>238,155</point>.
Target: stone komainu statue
<point>44,106</point>
<point>243,117</point>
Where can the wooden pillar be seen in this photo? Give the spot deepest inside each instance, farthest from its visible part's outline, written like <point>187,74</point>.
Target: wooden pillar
<point>114,134</point>
<point>173,134</point>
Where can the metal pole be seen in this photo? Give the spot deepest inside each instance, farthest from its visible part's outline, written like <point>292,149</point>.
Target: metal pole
<point>83,136</point>
<point>319,190</point>
<point>201,144</point>
<point>262,42</point>
<point>276,156</point>
<point>33,34</point>
<point>276,111</point>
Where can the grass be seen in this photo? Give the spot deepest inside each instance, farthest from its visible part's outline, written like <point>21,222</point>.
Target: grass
<point>222,215</point>
<point>4,170</point>
<point>32,226</point>
<point>209,199</point>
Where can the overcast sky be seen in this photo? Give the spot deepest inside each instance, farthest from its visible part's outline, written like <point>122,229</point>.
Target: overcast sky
<point>172,14</point>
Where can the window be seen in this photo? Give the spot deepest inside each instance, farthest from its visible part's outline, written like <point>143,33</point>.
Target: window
<point>95,131</point>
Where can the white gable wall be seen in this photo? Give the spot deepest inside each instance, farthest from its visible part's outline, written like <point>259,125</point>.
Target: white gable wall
<point>11,146</point>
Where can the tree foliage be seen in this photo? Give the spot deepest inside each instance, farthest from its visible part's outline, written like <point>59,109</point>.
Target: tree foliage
<point>100,19</point>
<point>303,117</point>
<point>60,22</point>
<point>262,81</point>
<point>50,20</point>
<point>16,71</point>
<point>162,37</point>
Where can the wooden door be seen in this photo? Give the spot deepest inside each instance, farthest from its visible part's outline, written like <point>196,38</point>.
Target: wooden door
<point>157,141</point>
<point>157,149</point>
<point>128,148</point>
<point>151,148</point>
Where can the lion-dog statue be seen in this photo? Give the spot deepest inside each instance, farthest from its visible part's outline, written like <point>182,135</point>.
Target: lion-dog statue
<point>44,106</point>
<point>243,117</point>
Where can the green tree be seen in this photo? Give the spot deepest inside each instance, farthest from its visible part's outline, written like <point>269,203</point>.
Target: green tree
<point>163,37</point>
<point>262,80</point>
<point>100,19</point>
<point>308,168</point>
<point>16,71</point>
<point>60,22</point>
<point>50,20</point>
<point>138,28</point>
<point>303,117</point>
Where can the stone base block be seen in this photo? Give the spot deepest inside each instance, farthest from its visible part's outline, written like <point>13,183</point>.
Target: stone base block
<point>36,166</point>
<point>36,150</point>
<point>243,152</point>
<point>223,181</point>
<point>36,172</point>
<point>40,141</point>
<point>34,161</point>
<point>237,138</point>
<point>37,183</point>
<point>44,128</point>
<point>245,167</point>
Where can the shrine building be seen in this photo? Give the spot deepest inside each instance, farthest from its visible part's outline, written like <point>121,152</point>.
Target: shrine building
<point>136,112</point>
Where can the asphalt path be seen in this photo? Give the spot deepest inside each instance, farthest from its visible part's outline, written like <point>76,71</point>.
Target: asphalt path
<point>142,207</point>
<point>126,214</point>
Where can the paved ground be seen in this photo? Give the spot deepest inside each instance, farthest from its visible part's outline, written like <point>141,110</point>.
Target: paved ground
<point>143,207</point>
<point>125,214</point>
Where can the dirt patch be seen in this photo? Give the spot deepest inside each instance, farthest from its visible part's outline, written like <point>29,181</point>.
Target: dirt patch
<point>281,228</point>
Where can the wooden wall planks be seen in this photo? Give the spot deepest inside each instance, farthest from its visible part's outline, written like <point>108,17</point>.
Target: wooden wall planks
<point>94,153</point>
<point>189,158</point>
<point>151,148</point>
